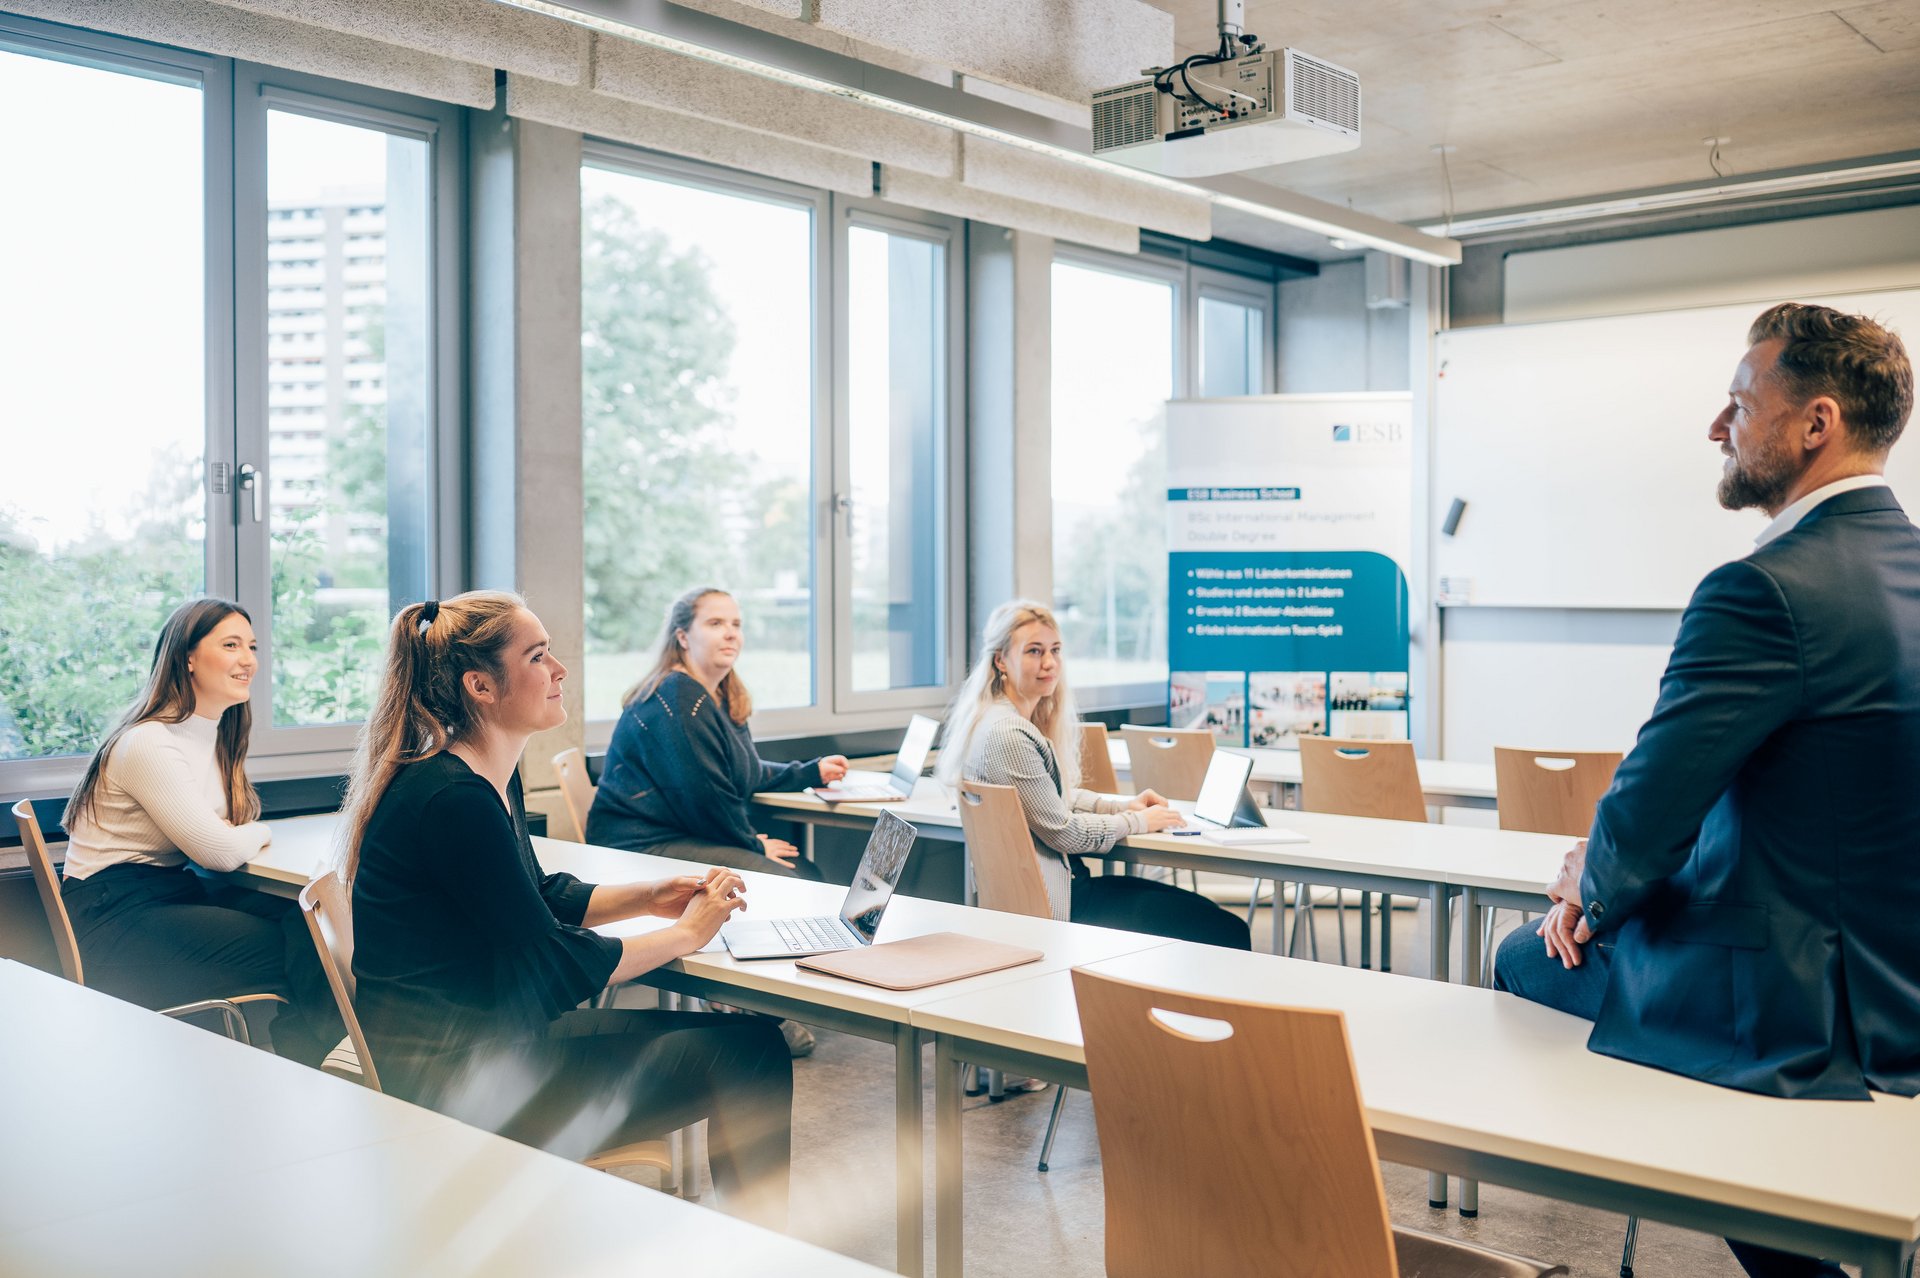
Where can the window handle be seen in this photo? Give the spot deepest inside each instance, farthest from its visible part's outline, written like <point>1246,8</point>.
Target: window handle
<point>843,504</point>
<point>249,478</point>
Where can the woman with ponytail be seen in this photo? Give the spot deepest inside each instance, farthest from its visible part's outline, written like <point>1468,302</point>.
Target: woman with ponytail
<point>682,767</point>
<point>471,963</point>
<point>167,794</point>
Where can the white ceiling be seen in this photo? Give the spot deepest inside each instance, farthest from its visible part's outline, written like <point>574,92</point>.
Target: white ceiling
<point>1562,101</point>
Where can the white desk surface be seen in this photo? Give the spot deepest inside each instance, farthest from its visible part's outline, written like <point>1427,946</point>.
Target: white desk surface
<point>1470,1069</point>
<point>1445,777</point>
<point>299,844</point>
<point>222,1159</point>
<point>1458,855</point>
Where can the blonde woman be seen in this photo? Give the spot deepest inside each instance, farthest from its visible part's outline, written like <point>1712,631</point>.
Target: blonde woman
<point>472,963</point>
<point>1014,723</point>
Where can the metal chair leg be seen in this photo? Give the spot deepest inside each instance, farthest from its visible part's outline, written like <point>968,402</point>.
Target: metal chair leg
<point>1253,900</point>
<point>1626,1252</point>
<point>1366,929</point>
<point>1053,1124</point>
<point>1340,920</point>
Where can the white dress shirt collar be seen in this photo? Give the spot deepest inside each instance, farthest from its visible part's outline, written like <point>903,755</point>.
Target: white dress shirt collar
<point>1788,519</point>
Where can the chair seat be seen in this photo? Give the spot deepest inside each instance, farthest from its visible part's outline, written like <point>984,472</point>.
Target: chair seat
<point>645,1153</point>
<point>1424,1255</point>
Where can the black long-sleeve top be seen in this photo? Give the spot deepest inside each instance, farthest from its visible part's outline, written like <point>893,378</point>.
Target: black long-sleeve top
<point>459,940</point>
<point>679,767</point>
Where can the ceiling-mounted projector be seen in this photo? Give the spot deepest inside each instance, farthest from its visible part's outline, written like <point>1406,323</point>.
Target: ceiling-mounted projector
<point>1242,107</point>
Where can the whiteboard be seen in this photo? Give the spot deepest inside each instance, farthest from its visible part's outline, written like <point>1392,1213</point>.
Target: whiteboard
<point>1580,448</point>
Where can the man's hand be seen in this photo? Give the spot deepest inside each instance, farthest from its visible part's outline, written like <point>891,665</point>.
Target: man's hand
<point>1566,887</point>
<point>833,768</point>
<point>1565,930</point>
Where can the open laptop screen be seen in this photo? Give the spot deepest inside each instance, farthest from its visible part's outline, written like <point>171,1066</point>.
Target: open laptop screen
<point>1220,792</point>
<point>877,875</point>
<point>914,748</point>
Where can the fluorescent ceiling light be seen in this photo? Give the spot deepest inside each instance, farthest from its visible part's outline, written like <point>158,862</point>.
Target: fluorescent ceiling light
<point>1661,200</point>
<point>1420,245</point>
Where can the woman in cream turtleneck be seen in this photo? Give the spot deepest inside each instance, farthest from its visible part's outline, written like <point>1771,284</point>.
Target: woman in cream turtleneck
<point>167,796</point>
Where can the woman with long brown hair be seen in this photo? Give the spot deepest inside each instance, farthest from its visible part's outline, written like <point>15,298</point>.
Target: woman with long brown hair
<point>166,794</point>
<point>471,962</point>
<point>682,767</point>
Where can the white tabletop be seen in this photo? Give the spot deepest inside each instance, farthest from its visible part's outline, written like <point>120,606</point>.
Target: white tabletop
<point>143,1145</point>
<point>1459,855</point>
<point>1470,1069</point>
<point>1441,777</point>
<point>302,846</point>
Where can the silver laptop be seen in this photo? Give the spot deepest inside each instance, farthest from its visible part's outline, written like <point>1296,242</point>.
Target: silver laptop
<point>908,764</point>
<point>859,919</point>
<point>1226,813</point>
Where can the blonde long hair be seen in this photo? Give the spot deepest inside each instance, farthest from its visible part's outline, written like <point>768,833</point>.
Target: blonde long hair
<point>1056,715</point>
<point>422,706</point>
<point>168,698</point>
<point>672,656</point>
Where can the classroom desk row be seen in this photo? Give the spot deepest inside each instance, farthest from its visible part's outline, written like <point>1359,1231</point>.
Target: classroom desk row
<point>1445,782</point>
<point>1485,868</point>
<point>136,1144</point>
<point>1456,1078</point>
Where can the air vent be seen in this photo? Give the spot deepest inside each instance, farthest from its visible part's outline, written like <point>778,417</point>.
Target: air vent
<point>1124,116</point>
<point>1322,93</point>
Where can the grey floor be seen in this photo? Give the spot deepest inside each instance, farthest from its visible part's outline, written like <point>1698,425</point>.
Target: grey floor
<point>1020,1221</point>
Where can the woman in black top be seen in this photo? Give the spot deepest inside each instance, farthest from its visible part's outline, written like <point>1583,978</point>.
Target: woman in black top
<point>470,962</point>
<point>682,766</point>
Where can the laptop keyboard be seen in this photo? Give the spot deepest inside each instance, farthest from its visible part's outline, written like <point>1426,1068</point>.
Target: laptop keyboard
<point>804,936</point>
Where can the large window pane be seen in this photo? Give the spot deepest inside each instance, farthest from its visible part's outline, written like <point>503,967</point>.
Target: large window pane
<point>697,367</point>
<point>1231,335</point>
<point>896,445</point>
<point>1113,371</point>
<point>348,404</point>
<point>102,390</point>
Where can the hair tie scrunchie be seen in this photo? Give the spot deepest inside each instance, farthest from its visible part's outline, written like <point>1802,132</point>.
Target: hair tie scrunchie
<point>428,611</point>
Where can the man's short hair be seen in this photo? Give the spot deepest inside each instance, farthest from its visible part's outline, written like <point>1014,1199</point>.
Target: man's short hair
<point>1849,357</point>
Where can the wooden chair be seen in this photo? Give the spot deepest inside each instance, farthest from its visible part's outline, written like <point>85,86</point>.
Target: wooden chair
<point>67,946</point>
<point>1551,792</point>
<point>1266,1166</point>
<point>1096,761</point>
<point>327,908</point>
<point>1006,873</point>
<point>1172,761</point>
<point>576,789</point>
<point>1361,778</point>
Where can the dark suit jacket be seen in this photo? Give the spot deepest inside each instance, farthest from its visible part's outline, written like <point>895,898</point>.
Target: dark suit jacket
<point>1757,861</point>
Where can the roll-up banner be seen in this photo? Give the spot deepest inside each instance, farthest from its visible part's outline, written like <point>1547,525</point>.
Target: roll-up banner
<point>1289,537</point>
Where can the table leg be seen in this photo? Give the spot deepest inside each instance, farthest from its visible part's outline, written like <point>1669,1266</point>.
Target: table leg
<point>1366,929</point>
<point>1470,919</point>
<point>949,1208</point>
<point>1279,941</point>
<point>909,1154</point>
<point>1891,1261</point>
<point>1438,945</point>
<point>1386,932</point>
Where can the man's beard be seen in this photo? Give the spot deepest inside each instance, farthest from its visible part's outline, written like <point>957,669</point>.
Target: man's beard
<point>1760,480</point>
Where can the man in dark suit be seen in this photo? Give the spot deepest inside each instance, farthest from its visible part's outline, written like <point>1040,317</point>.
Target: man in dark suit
<point>1744,909</point>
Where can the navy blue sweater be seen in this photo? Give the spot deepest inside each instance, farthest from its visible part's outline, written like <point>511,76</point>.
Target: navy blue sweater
<point>679,767</point>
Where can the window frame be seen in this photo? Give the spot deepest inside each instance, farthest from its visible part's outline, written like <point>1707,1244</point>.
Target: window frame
<point>1174,273</point>
<point>1211,283</point>
<point>950,233</point>
<point>237,348</point>
<point>302,750</point>
<point>835,707</point>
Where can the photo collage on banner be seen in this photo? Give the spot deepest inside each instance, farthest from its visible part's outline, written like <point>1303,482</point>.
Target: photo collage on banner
<point>1289,535</point>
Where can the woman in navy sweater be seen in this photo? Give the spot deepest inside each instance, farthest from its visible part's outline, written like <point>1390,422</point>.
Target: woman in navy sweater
<point>682,766</point>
